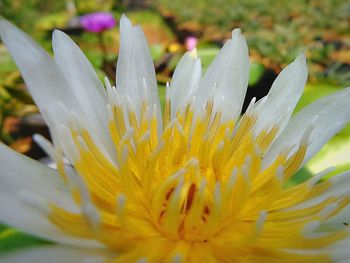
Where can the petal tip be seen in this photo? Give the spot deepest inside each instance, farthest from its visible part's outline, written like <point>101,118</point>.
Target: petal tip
<point>56,32</point>
<point>125,21</point>
<point>56,35</point>
<point>299,66</point>
<point>193,53</point>
<point>4,25</point>
<point>301,59</point>
<point>236,32</point>
<point>59,39</point>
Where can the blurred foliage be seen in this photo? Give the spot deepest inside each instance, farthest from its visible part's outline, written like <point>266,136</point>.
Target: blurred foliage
<point>14,102</point>
<point>276,30</point>
<point>26,12</point>
<point>88,6</point>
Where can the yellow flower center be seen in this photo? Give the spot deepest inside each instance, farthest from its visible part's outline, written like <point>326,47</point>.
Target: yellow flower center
<point>195,193</point>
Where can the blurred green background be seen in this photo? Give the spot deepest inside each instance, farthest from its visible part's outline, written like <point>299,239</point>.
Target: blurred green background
<point>276,32</point>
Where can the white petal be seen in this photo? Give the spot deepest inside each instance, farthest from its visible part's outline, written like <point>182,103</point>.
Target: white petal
<point>86,86</point>
<point>45,145</point>
<point>340,186</point>
<point>135,68</point>
<point>285,92</point>
<point>51,90</point>
<point>332,113</point>
<point>338,221</point>
<point>43,77</point>
<point>339,251</point>
<point>26,188</point>
<point>185,81</point>
<point>79,71</point>
<point>227,78</point>
<point>28,219</point>
<point>53,254</point>
<point>19,172</point>
<point>45,81</point>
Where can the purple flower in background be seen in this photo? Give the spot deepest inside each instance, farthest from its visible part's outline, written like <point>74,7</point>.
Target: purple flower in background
<point>191,42</point>
<point>97,22</point>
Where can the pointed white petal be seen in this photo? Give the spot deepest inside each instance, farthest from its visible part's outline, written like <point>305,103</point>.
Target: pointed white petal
<point>135,68</point>
<point>86,86</point>
<point>340,186</point>
<point>125,55</point>
<point>45,145</point>
<point>50,88</point>
<point>54,254</point>
<point>185,81</point>
<point>330,114</point>
<point>19,172</point>
<point>18,213</point>
<point>26,189</point>
<point>145,66</point>
<point>84,83</point>
<point>228,75</point>
<point>78,70</point>
<point>44,79</point>
<point>284,94</point>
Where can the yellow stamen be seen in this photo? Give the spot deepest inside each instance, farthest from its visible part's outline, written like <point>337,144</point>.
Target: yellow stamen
<point>196,192</point>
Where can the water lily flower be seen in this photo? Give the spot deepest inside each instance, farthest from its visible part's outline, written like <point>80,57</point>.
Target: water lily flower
<point>97,22</point>
<point>196,183</point>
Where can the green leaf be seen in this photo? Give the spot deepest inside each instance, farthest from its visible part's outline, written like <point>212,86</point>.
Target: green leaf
<point>12,239</point>
<point>56,20</point>
<point>157,51</point>
<point>161,91</point>
<point>334,153</point>
<point>256,72</point>
<point>207,55</point>
<point>301,176</point>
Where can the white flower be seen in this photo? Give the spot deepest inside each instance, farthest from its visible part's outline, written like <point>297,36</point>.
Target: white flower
<point>200,184</point>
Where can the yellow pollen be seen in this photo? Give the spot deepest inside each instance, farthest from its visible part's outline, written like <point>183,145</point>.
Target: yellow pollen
<point>195,193</point>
